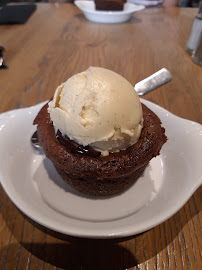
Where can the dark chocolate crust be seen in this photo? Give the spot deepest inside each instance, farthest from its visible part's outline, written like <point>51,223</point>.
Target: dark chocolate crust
<point>108,175</point>
<point>113,5</point>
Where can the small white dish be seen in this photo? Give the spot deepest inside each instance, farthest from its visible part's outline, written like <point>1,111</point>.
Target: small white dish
<point>34,186</point>
<point>89,11</point>
<point>146,3</point>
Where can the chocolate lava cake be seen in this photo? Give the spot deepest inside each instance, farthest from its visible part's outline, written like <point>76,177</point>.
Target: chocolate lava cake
<point>91,173</point>
<point>113,5</point>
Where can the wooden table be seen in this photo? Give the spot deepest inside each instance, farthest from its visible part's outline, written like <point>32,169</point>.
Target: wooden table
<point>57,42</point>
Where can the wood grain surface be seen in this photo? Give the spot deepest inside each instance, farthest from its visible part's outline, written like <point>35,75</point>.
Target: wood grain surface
<point>57,42</point>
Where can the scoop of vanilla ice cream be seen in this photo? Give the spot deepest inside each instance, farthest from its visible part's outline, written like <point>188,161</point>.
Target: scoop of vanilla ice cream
<point>98,108</point>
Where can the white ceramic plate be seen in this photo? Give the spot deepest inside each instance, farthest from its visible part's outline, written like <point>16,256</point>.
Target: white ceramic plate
<point>89,11</point>
<point>34,186</point>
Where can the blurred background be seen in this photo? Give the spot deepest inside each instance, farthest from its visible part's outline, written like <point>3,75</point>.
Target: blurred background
<point>181,3</point>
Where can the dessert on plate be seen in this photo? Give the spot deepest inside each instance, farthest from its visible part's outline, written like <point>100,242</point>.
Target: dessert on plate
<point>97,134</point>
<point>110,5</point>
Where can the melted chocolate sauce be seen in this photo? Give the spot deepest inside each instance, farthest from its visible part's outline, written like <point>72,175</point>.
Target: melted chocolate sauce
<point>75,147</point>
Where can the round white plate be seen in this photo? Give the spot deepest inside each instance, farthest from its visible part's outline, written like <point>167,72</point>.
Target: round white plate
<point>32,183</point>
<point>89,11</point>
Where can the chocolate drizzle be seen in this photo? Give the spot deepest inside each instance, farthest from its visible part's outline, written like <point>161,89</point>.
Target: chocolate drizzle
<point>75,147</point>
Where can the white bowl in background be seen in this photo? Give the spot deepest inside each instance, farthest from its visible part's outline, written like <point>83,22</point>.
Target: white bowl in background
<point>89,11</point>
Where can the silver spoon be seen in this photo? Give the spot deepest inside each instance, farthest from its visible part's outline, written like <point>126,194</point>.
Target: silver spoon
<point>35,140</point>
<point>143,87</point>
<point>153,82</point>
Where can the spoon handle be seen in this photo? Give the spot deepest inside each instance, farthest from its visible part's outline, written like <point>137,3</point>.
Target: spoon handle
<point>153,82</point>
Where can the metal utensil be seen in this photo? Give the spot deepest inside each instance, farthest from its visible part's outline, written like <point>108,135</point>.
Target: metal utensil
<point>35,140</point>
<point>1,57</point>
<point>143,87</point>
<point>153,82</point>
